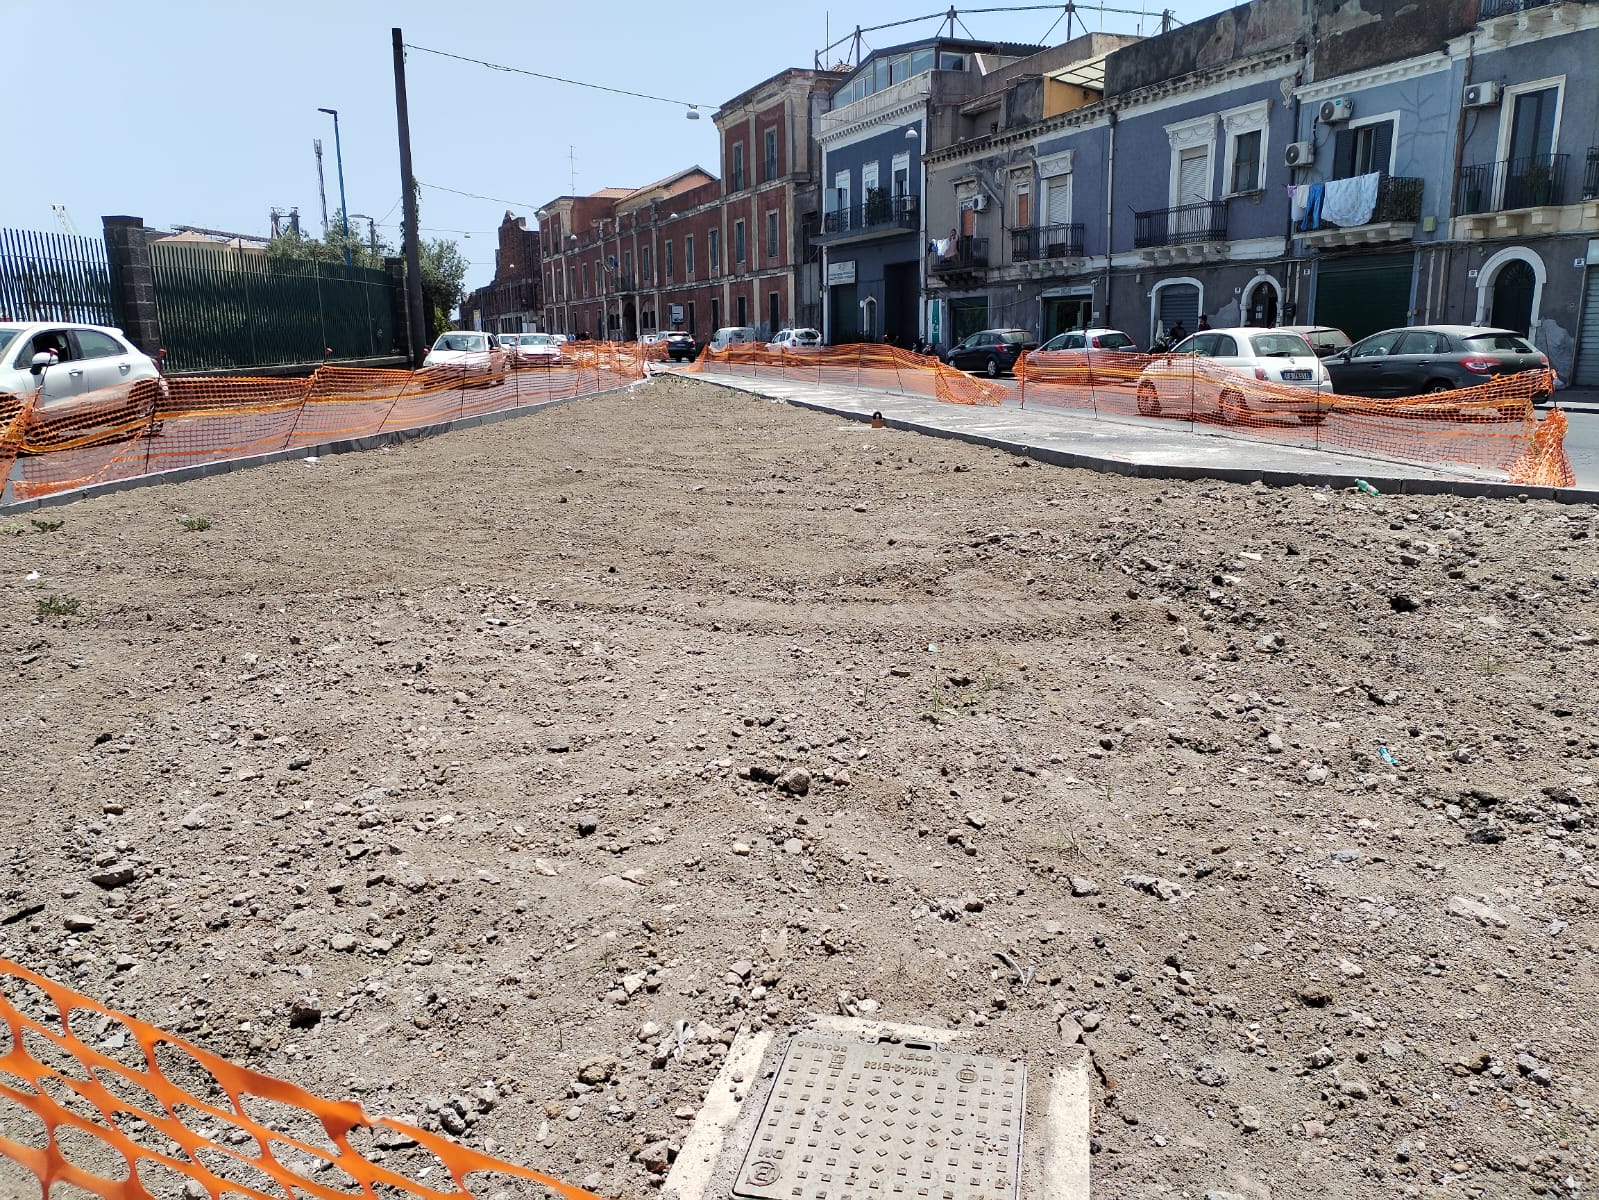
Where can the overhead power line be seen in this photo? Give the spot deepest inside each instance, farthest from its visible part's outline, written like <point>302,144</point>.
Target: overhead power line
<point>474,196</point>
<point>598,87</point>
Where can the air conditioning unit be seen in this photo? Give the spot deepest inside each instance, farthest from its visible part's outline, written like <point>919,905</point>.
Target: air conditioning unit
<point>1300,154</point>
<point>1483,95</point>
<point>1339,108</point>
<point>980,203</point>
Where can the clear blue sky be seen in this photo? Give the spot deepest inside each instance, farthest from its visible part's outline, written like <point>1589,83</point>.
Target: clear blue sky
<point>202,113</point>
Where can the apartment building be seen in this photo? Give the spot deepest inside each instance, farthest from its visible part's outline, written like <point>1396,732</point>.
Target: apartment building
<point>696,251</point>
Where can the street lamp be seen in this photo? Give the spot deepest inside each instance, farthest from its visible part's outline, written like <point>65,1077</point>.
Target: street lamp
<point>371,230</point>
<point>344,208</point>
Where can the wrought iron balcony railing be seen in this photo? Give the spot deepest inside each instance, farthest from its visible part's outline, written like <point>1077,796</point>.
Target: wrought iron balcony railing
<point>965,254</point>
<point>1502,8</point>
<point>1205,221</point>
<point>898,212</point>
<point>1590,175</point>
<point>1533,181</point>
<point>1046,242</point>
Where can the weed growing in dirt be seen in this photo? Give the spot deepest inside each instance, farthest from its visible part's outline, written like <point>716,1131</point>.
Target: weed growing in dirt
<point>46,526</point>
<point>196,524</point>
<point>58,606</point>
<point>1064,842</point>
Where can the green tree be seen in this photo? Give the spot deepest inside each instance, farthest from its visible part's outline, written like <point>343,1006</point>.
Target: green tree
<point>443,283</point>
<point>291,246</point>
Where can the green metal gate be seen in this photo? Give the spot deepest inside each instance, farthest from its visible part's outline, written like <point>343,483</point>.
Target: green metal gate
<point>223,308</point>
<point>53,277</point>
<point>1364,294</point>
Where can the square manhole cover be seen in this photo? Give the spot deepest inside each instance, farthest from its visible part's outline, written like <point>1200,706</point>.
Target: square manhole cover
<point>850,1119</point>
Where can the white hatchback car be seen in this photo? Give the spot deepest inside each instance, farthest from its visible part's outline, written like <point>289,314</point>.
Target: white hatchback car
<point>1236,373</point>
<point>473,352</point>
<point>533,349</point>
<point>86,358</point>
<point>795,339</point>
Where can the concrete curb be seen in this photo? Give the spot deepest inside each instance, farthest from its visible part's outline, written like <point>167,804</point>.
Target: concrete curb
<point>1390,484</point>
<point>343,446</point>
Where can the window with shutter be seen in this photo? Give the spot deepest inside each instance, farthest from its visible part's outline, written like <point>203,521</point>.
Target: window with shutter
<point>1058,199</point>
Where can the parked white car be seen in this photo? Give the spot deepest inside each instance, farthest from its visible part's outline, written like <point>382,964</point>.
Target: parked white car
<point>534,349</point>
<point>88,373</point>
<point>87,358</point>
<point>1088,339</point>
<point>469,350</point>
<point>731,335</point>
<point>1205,375</point>
<point>795,339</point>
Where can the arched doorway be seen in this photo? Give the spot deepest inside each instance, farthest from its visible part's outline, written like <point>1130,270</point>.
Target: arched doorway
<point>629,322</point>
<point>869,319</point>
<point>1513,287</point>
<point>1260,303</point>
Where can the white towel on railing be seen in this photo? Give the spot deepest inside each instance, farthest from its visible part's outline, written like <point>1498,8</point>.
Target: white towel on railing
<point>1299,197</point>
<point>1351,201</point>
<point>944,247</point>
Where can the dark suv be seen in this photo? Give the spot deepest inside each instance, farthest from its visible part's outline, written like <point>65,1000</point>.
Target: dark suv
<point>991,351</point>
<point>680,345</point>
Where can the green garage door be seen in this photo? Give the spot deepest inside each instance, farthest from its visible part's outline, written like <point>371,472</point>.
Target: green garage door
<point>1362,295</point>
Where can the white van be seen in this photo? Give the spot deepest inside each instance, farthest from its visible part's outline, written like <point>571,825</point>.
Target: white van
<point>732,335</point>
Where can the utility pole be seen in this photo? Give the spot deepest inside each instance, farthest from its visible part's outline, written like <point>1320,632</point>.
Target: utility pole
<point>344,205</point>
<point>321,187</point>
<point>571,166</point>
<point>413,246</point>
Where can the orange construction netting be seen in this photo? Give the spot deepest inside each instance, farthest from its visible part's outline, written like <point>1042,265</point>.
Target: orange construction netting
<point>160,425</point>
<point>1492,427</point>
<point>98,1100</point>
<point>862,365</point>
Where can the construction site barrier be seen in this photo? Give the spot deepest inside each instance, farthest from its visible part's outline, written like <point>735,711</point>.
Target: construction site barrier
<point>96,1099</point>
<point>1491,427</point>
<point>860,365</point>
<point>163,424</point>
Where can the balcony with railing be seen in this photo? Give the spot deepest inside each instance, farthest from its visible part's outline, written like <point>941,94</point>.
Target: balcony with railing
<point>1489,9</point>
<point>1518,196</point>
<point>1046,242</point>
<point>1393,217</point>
<point>967,259</point>
<point>1185,233</point>
<point>879,216</point>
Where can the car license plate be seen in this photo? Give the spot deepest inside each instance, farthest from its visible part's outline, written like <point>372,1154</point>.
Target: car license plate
<point>1296,376</point>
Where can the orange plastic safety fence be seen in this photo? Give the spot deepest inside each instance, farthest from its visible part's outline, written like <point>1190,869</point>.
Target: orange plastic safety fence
<point>94,1098</point>
<point>862,365</point>
<point>1491,427</point>
<point>160,425</point>
<point>1544,462</point>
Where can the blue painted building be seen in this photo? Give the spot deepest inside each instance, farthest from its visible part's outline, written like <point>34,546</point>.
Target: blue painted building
<point>893,107</point>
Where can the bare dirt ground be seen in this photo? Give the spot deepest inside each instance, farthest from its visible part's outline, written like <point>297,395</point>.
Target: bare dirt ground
<point>459,757</point>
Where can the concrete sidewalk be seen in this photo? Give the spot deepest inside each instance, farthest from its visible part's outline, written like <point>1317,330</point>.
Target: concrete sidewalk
<point>1137,446</point>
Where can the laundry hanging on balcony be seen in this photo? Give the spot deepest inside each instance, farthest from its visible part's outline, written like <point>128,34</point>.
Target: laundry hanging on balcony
<point>1351,201</point>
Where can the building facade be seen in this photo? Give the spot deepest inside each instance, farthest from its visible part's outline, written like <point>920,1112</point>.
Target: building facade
<point>1361,164</point>
<point>512,302</point>
<point>888,113</point>
<point>694,251</point>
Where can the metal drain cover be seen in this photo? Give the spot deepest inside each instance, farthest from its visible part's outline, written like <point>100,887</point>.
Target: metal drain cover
<point>850,1120</point>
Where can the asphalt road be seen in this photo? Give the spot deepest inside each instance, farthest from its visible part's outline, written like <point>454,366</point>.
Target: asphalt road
<point>1582,447</point>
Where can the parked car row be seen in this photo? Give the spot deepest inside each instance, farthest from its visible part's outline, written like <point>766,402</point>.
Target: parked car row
<point>1394,363</point>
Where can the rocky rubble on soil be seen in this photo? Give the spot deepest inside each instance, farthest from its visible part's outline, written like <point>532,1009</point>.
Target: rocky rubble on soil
<point>496,781</point>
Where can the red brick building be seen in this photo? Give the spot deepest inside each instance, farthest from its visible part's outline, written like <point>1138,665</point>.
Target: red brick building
<point>692,251</point>
<point>513,301</point>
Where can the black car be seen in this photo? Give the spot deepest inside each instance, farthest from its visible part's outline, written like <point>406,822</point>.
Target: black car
<point>1430,358</point>
<point>991,351</point>
<point>681,345</point>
